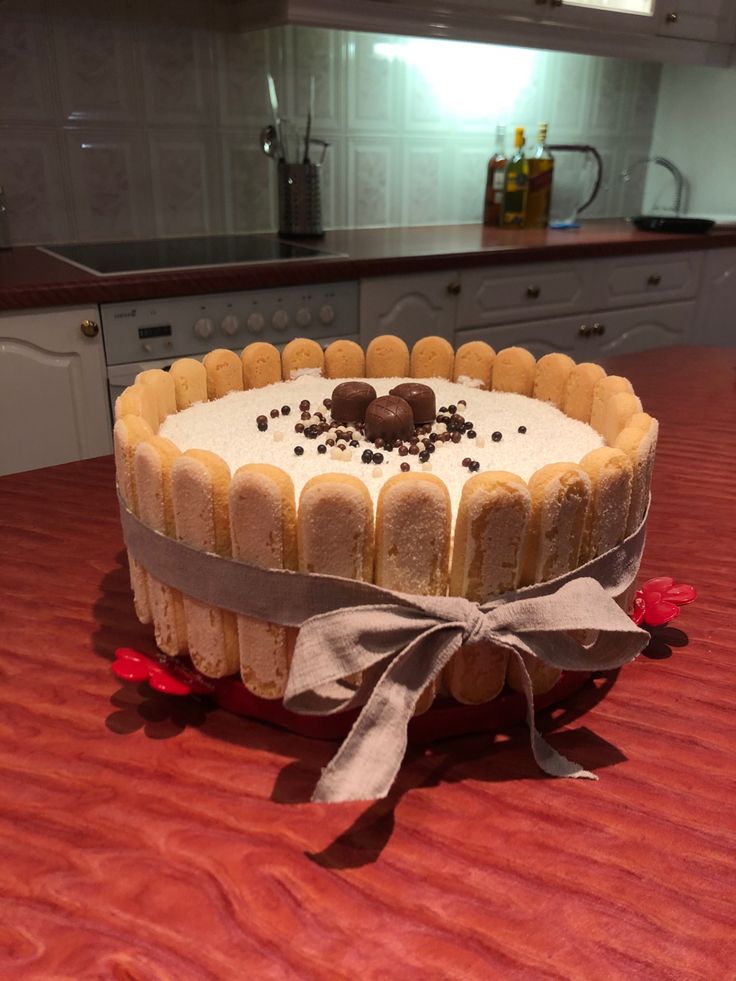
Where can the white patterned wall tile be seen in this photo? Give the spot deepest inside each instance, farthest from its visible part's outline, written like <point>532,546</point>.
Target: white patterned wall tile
<point>249,185</point>
<point>375,79</point>
<point>333,182</point>
<point>185,191</point>
<point>96,69</point>
<point>627,195</point>
<point>242,63</point>
<point>571,84</point>
<point>424,176</point>
<point>371,177</point>
<point>109,183</point>
<point>25,66</point>
<point>30,169</point>
<point>178,72</point>
<point>322,54</point>
<point>469,182</point>
<point>607,107</point>
<point>642,96</point>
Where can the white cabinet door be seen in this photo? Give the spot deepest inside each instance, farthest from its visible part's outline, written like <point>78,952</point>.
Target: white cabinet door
<point>523,292</point>
<point>409,306</point>
<point>716,323</point>
<point>53,390</point>
<point>631,16</point>
<point>628,331</point>
<point>635,280</point>
<point>540,336</point>
<point>701,20</point>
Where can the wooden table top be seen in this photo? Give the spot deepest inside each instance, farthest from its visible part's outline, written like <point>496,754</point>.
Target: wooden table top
<point>145,837</point>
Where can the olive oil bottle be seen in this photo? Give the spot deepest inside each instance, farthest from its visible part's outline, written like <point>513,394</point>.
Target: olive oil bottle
<point>493,204</point>
<point>541,169</point>
<point>516,185</point>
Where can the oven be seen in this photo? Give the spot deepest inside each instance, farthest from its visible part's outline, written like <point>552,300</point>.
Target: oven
<point>155,333</point>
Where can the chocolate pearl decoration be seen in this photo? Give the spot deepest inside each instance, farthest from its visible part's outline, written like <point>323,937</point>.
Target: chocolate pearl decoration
<point>389,418</point>
<point>321,448</point>
<point>285,410</point>
<point>274,413</point>
<point>522,429</point>
<point>496,437</point>
<point>298,450</point>
<point>378,457</point>
<point>421,398</point>
<point>350,401</point>
<point>405,467</point>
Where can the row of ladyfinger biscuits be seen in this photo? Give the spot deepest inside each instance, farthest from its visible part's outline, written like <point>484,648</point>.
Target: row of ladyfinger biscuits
<point>583,391</point>
<point>254,518</point>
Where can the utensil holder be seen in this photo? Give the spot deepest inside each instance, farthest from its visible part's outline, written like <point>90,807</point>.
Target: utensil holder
<point>300,205</point>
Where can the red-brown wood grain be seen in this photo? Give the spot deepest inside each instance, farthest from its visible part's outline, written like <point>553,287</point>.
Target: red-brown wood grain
<point>143,837</point>
<point>30,278</point>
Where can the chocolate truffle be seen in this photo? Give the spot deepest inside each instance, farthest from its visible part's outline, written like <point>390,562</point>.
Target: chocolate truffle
<point>420,398</point>
<point>350,400</point>
<point>389,418</point>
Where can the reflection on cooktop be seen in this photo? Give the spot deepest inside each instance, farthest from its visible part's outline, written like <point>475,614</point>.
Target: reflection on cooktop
<point>106,258</point>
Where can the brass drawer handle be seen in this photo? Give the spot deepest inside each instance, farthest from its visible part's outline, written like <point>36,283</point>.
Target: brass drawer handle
<point>453,288</point>
<point>89,328</point>
<point>584,330</point>
<point>599,329</point>
<point>533,292</point>
<point>654,280</point>
<point>672,17</point>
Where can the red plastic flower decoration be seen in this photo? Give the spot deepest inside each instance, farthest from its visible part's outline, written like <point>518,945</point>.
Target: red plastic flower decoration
<point>659,601</point>
<point>165,676</point>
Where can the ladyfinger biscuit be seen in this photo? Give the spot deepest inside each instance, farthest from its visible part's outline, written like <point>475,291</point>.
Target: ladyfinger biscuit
<point>490,533</point>
<point>153,463</point>
<point>577,401</point>
<point>190,382</point>
<point>335,527</point>
<point>302,356</point>
<point>618,410</point>
<point>560,495</point>
<point>224,373</point>
<point>261,365</point>
<point>513,371</point>
<point>639,442</point>
<point>387,356</point>
<point>130,431</point>
<point>344,359</point>
<point>603,390</point>
<point>473,364</point>
<point>610,473</point>
<point>164,392</point>
<point>263,533</point>
<point>138,400</point>
<point>413,528</point>
<point>200,484</point>
<point>432,357</point>
<point>551,376</point>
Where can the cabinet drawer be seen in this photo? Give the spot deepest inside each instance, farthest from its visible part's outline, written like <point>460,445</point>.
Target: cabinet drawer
<point>540,337</point>
<point>648,279</point>
<point>519,292</point>
<point>628,331</point>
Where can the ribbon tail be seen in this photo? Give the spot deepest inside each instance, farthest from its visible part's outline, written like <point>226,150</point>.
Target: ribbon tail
<point>365,766</point>
<point>547,759</point>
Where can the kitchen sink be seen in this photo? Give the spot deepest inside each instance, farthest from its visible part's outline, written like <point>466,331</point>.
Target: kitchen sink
<point>672,223</point>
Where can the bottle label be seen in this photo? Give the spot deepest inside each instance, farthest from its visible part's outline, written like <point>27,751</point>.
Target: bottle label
<point>516,182</point>
<point>498,180</point>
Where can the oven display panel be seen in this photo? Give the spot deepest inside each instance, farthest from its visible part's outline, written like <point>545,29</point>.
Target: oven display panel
<point>163,330</point>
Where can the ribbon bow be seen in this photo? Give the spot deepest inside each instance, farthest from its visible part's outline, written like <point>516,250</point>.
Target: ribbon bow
<point>400,649</point>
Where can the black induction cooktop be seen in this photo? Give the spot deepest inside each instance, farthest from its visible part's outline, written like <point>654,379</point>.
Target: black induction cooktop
<point>147,255</point>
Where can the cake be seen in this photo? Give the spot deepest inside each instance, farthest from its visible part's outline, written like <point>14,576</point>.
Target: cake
<point>429,472</point>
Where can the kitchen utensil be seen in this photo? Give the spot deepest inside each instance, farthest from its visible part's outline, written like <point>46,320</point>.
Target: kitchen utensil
<point>310,115</point>
<point>269,141</point>
<point>672,223</point>
<point>276,117</point>
<point>300,205</point>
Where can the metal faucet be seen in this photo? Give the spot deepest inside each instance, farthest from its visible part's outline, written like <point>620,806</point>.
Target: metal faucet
<point>668,165</point>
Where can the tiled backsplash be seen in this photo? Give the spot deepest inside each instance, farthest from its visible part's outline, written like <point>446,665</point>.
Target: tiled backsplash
<point>125,127</point>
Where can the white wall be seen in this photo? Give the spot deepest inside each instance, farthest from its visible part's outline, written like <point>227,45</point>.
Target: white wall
<point>695,127</point>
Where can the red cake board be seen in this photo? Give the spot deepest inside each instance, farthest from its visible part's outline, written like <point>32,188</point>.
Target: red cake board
<point>445,718</point>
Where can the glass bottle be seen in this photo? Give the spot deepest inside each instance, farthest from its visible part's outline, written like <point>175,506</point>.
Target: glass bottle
<point>495,181</point>
<point>541,169</point>
<point>516,185</point>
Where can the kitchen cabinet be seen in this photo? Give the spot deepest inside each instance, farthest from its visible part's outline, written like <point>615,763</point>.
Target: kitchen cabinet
<point>593,335</point>
<point>715,322</point>
<point>700,20</point>
<point>53,391</point>
<point>410,306</point>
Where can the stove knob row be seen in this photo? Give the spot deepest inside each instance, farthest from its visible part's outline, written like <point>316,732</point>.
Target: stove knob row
<point>230,324</point>
<point>204,327</point>
<point>256,322</point>
<point>280,320</point>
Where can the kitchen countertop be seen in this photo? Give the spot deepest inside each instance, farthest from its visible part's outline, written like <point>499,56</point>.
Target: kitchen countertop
<point>149,837</point>
<point>32,279</point>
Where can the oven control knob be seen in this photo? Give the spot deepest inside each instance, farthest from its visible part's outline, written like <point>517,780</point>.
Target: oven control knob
<point>326,314</point>
<point>280,320</point>
<point>303,317</point>
<point>204,327</point>
<point>230,324</point>
<point>255,322</point>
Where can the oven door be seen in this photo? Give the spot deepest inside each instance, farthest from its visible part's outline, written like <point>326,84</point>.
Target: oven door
<point>119,376</point>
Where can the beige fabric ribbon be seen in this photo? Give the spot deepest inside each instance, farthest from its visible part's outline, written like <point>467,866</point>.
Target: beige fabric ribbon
<point>400,643</point>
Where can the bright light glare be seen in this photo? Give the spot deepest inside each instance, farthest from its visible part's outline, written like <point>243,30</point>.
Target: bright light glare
<point>471,81</point>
